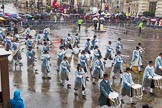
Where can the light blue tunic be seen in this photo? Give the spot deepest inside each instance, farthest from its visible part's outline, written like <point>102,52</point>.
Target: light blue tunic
<point>82,60</point>
<point>136,58</point>
<point>118,46</point>
<point>158,62</point>
<point>127,80</point>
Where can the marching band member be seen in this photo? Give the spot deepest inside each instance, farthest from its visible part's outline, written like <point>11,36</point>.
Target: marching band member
<point>64,72</point>
<point>96,54</point>
<point>62,43</point>
<point>87,46</point>
<point>27,32</point>
<point>39,38</point>
<point>119,45</point>
<point>80,80</point>
<point>158,64</point>
<point>94,42</point>
<point>29,42</point>
<point>76,41</point>
<point>45,47</point>
<point>126,86</point>
<point>68,41</point>
<point>109,51</point>
<point>98,70</point>
<point>17,57</point>
<point>30,57</point>
<point>117,67</point>
<point>83,60</point>
<point>7,43</point>
<point>45,65</point>
<point>147,77</point>
<point>60,56</point>
<point>136,59</point>
<point>105,89</point>
<point>141,49</point>
<point>45,36</point>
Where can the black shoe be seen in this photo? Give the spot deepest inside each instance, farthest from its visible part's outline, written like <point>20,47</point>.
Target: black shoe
<point>20,64</point>
<point>112,65</point>
<point>36,72</point>
<point>16,64</point>
<point>76,94</point>
<point>48,77</point>
<point>144,92</point>
<point>69,86</point>
<point>133,103</point>
<point>122,101</point>
<point>113,77</point>
<point>61,84</point>
<point>90,69</point>
<point>43,77</point>
<point>93,83</point>
<point>152,94</point>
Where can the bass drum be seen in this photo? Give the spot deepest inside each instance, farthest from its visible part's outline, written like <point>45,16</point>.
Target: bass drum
<point>76,50</point>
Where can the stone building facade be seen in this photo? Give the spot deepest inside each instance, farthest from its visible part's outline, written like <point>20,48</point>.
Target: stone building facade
<point>137,7</point>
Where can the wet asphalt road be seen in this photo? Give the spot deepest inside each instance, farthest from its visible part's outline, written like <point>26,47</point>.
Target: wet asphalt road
<point>38,93</point>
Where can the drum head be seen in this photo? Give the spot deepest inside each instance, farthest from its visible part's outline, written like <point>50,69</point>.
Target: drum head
<point>76,50</point>
<point>136,86</point>
<point>113,95</point>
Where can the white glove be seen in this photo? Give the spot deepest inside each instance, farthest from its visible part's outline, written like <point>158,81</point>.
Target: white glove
<point>98,66</point>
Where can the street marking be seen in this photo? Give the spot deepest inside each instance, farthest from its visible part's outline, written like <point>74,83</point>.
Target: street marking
<point>125,56</point>
<point>130,40</point>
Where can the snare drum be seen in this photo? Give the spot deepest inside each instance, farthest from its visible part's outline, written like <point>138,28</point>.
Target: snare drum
<point>76,50</point>
<point>68,53</point>
<point>87,56</point>
<point>114,99</point>
<point>157,80</point>
<point>137,90</point>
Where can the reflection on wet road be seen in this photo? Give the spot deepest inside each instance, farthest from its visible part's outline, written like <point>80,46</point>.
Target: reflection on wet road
<point>38,93</point>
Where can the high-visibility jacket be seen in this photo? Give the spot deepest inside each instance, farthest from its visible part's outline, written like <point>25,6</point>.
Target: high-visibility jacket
<point>141,24</point>
<point>80,21</point>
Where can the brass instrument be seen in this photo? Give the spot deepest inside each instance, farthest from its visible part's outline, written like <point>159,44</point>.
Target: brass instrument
<point>32,33</point>
<point>33,45</point>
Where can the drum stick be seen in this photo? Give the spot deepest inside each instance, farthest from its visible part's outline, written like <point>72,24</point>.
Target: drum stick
<point>112,100</point>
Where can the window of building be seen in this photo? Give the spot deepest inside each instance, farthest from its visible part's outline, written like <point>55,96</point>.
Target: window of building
<point>152,6</point>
